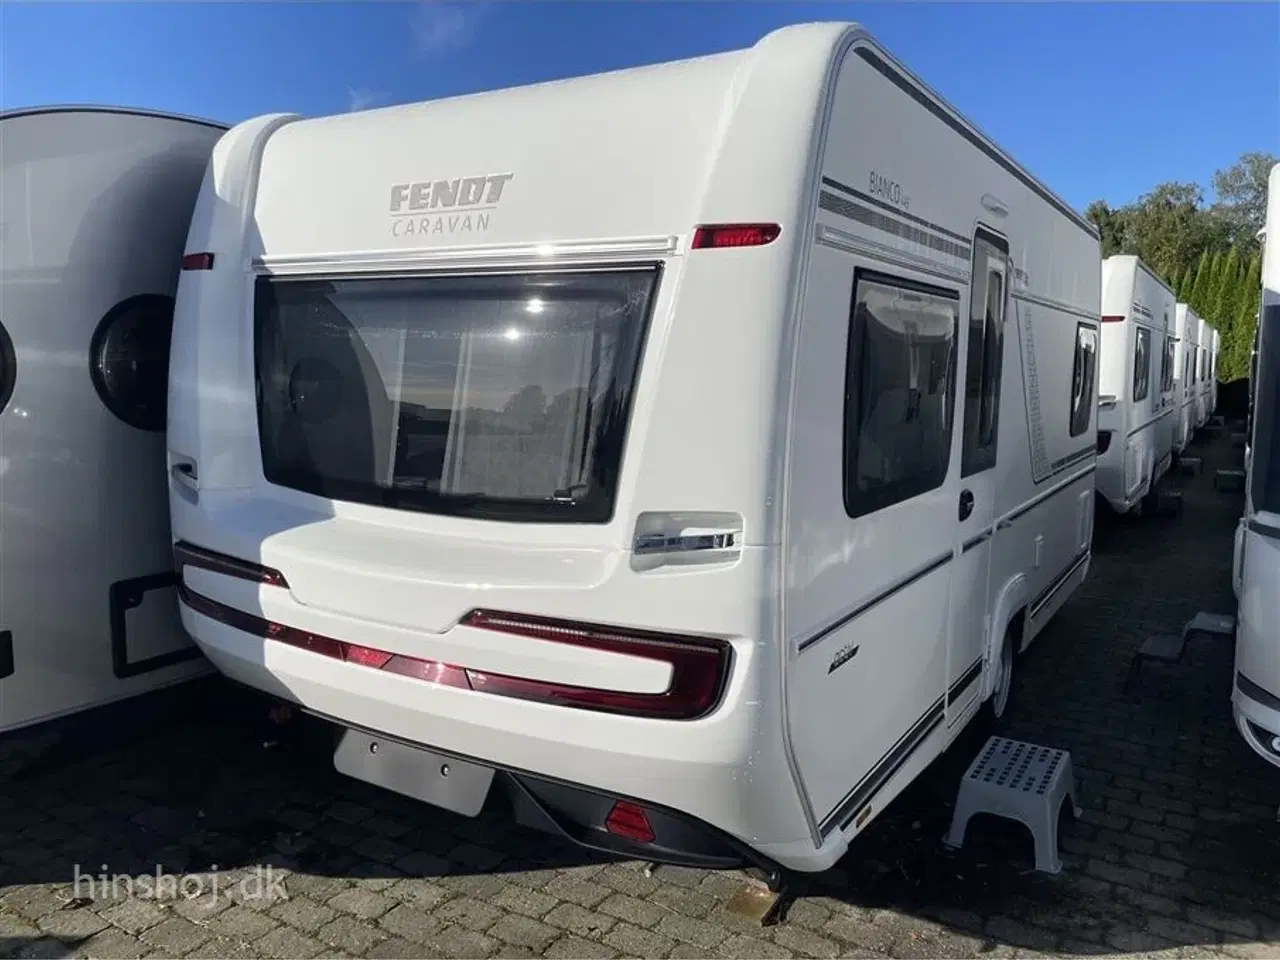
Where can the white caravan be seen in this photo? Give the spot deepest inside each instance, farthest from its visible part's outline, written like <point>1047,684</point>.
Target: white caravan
<point>1186,327</point>
<point>1136,423</point>
<point>96,205</point>
<point>1204,340</point>
<point>1214,354</point>
<point>694,494</point>
<point>1256,694</point>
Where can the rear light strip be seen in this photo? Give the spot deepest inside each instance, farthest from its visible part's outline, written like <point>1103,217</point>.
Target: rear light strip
<point>1113,319</point>
<point>699,666</point>
<point>720,235</point>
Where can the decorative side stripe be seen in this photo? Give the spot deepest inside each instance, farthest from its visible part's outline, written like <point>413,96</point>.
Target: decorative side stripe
<point>858,213</point>
<point>883,771</point>
<point>965,682</point>
<point>885,594</point>
<point>1048,592</point>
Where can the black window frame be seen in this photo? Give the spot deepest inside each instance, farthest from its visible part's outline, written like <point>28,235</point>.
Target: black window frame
<point>1076,426</point>
<point>1166,368</point>
<point>8,368</point>
<point>1141,364</point>
<point>156,421</point>
<point>858,503</point>
<point>1264,484</point>
<point>598,509</point>
<point>980,439</point>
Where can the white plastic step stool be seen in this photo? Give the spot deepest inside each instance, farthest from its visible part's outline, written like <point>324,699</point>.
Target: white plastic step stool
<point>1019,781</point>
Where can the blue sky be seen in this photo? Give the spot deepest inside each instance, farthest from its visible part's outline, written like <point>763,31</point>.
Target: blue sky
<point>1099,100</point>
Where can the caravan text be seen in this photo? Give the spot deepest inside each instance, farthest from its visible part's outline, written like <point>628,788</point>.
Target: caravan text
<point>463,205</point>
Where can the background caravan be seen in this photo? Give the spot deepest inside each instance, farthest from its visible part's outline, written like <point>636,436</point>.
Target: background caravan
<point>1187,328</point>
<point>97,203</point>
<point>1256,694</point>
<point>764,469</point>
<point>1215,350</point>
<point>1136,406</point>
<point>1201,399</point>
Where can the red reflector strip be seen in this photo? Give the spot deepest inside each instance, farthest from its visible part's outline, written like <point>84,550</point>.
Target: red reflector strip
<point>197,261</point>
<point>629,820</point>
<point>735,235</point>
<point>1113,319</point>
<point>699,666</point>
<point>189,555</point>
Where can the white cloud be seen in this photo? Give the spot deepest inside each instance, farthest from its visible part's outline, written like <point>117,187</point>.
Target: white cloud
<point>360,99</point>
<point>437,27</point>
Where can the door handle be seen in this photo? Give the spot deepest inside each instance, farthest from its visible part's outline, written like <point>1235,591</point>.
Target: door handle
<point>184,472</point>
<point>966,504</point>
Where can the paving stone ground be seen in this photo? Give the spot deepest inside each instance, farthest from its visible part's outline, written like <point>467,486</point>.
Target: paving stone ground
<point>1177,852</point>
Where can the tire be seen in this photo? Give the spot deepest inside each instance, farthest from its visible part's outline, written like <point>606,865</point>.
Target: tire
<point>996,711</point>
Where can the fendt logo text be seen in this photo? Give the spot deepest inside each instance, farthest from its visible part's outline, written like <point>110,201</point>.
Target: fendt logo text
<point>441,207</point>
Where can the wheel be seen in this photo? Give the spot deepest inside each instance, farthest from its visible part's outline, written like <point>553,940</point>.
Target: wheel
<point>997,708</point>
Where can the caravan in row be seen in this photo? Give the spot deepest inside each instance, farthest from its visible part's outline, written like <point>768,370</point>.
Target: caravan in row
<point>1256,692</point>
<point>1157,383</point>
<point>97,204</point>
<point>696,522</point>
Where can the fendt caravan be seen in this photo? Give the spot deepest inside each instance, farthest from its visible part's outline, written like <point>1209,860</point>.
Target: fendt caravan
<point>1204,346</point>
<point>1214,356</point>
<point>96,204</point>
<point>1256,695</point>
<point>1186,327</point>
<point>694,495</point>
<point>1136,383</point>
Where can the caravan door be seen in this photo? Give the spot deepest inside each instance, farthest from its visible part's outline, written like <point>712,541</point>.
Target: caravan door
<point>975,510</point>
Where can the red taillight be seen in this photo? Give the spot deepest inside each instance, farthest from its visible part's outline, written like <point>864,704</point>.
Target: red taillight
<point>626,819</point>
<point>735,235</point>
<point>189,555</point>
<point>1113,319</point>
<point>197,261</point>
<point>699,666</point>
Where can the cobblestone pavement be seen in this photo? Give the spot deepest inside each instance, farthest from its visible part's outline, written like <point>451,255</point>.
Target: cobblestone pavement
<point>1176,853</point>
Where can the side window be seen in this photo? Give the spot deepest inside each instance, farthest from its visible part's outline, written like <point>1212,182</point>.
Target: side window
<point>1084,372</point>
<point>899,390</point>
<point>986,354</point>
<point>129,360</point>
<point>8,368</point>
<point>1142,365</point>
<point>1166,381</point>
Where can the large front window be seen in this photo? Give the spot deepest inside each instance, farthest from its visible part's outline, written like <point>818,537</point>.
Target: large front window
<point>1264,487</point>
<point>503,397</point>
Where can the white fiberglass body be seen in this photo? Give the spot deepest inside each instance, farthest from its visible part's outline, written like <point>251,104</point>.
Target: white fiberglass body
<point>1256,696</point>
<point>490,438</point>
<point>1136,385</point>
<point>1200,397</point>
<point>96,205</point>
<point>1186,326</point>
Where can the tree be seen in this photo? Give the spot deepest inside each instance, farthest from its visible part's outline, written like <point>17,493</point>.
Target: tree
<point>1240,198</point>
<point>1224,305</point>
<point>1246,322</point>
<point>1168,225</point>
<point>1200,285</point>
<point>1110,224</point>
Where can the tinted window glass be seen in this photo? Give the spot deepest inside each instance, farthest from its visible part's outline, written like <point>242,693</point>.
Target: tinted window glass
<point>487,396</point>
<point>899,390</point>
<point>8,368</point>
<point>1142,364</point>
<point>985,355</point>
<point>1083,375</point>
<point>1265,484</point>
<point>130,360</point>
